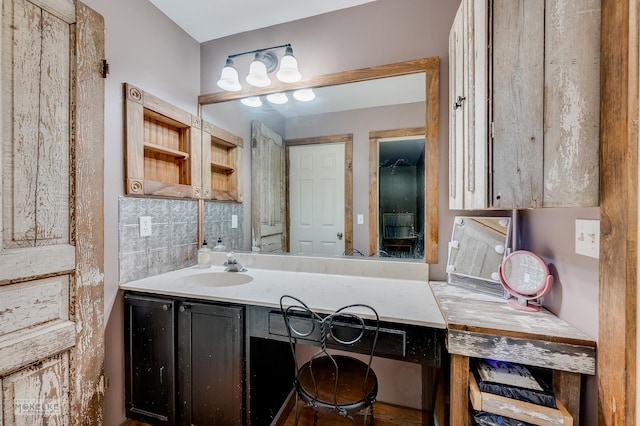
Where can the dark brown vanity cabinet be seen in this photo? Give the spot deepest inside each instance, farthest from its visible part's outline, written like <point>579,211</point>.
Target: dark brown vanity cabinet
<point>183,361</point>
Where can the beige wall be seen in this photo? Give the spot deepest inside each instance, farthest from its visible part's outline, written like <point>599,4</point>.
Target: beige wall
<point>144,48</point>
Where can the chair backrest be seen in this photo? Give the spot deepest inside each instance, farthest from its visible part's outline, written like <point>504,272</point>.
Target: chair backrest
<point>344,328</point>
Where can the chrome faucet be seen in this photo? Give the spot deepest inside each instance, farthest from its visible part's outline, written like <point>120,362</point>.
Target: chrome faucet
<point>232,264</point>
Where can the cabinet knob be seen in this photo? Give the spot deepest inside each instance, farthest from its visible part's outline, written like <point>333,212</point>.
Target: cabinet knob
<point>184,308</point>
<point>165,307</point>
<point>458,103</point>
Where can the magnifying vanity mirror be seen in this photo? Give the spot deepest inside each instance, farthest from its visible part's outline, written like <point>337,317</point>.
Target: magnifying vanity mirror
<point>363,152</point>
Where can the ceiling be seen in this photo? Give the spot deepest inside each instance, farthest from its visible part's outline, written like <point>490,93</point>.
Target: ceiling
<point>206,20</point>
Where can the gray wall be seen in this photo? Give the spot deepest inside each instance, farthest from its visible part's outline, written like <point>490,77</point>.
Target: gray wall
<point>387,31</point>
<point>146,49</point>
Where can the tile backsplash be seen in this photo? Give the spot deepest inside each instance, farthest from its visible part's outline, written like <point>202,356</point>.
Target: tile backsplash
<point>174,240</point>
<point>218,224</point>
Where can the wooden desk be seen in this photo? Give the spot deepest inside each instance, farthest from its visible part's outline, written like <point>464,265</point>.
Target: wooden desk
<point>483,326</point>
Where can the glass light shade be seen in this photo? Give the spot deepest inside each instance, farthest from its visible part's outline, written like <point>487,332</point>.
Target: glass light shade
<point>277,98</point>
<point>229,78</point>
<point>304,95</point>
<point>258,74</point>
<point>253,102</point>
<point>288,72</point>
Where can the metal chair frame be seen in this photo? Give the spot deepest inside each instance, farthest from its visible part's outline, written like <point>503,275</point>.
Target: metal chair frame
<point>291,307</point>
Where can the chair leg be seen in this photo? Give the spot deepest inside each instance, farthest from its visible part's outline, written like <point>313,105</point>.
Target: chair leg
<point>296,414</point>
<point>366,415</point>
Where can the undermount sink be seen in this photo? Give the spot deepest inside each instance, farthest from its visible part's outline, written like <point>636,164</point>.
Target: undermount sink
<point>217,279</point>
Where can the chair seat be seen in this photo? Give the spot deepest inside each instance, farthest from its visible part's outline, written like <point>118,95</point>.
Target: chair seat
<point>352,393</point>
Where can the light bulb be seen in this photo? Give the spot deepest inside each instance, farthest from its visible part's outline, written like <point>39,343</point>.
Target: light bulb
<point>288,72</point>
<point>304,95</point>
<point>277,98</point>
<point>229,77</point>
<point>253,102</point>
<point>258,73</point>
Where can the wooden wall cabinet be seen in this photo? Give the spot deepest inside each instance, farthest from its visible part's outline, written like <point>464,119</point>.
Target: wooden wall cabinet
<point>163,145</point>
<point>524,91</point>
<point>183,361</point>
<point>221,164</point>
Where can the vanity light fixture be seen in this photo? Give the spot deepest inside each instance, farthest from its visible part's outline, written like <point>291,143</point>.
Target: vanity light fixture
<point>264,62</point>
<point>304,95</point>
<point>252,101</point>
<point>278,98</point>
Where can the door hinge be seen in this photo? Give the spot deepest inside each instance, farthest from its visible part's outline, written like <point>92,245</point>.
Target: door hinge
<point>493,130</point>
<point>105,68</point>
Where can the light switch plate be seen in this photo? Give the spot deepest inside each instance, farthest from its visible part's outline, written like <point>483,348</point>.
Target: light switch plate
<point>145,226</point>
<point>360,219</point>
<point>587,237</point>
<point>234,220</point>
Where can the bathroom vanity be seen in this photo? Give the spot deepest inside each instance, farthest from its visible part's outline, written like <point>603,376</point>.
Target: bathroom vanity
<point>225,336</point>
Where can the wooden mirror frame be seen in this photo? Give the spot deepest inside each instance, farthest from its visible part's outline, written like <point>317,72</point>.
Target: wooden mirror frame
<point>431,67</point>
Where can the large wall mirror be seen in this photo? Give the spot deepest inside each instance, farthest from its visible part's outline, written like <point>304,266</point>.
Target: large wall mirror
<point>314,187</point>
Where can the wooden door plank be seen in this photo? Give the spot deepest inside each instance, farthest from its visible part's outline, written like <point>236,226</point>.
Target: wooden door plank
<point>618,267</point>
<point>457,73</point>
<point>63,9</point>
<point>38,392</point>
<point>518,81</point>
<point>20,263</point>
<point>33,303</point>
<point>87,374</point>
<point>572,107</point>
<point>459,391</point>
<point>558,356</point>
<point>52,161</point>
<point>20,169</point>
<point>24,347</point>
<point>566,386</point>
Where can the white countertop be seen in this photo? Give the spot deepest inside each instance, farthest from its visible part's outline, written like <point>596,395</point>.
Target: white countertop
<point>396,300</point>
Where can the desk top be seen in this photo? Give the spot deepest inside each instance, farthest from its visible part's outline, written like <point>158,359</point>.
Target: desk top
<point>477,312</point>
<point>396,300</point>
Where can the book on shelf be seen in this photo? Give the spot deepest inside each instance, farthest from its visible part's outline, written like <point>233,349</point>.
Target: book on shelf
<point>513,381</point>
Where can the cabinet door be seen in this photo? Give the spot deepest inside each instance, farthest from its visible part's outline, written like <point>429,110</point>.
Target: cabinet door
<point>518,100</point>
<point>468,88</point>
<point>210,360</point>
<point>150,359</point>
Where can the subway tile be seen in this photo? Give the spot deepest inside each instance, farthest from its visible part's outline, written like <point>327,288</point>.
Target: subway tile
<point>130,209</point>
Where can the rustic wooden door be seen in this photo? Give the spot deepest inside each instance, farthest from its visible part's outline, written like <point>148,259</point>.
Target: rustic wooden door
<point>51,239</point>
<point>316,199</point>
<point>267,189</point>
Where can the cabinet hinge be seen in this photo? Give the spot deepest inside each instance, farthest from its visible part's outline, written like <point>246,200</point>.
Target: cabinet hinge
<point>105,68</point>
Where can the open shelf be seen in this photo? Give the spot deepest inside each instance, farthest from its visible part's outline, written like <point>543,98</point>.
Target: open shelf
<point>224,168</point>
<point>163,145</point>
<point>223,151</point>
<point>178,155</point>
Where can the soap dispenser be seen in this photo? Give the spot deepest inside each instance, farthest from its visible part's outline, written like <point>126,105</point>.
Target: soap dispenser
<point>219,247</point>
<point>204,256</point>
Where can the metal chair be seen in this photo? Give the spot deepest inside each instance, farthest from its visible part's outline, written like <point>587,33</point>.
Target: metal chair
<point>329,383</point>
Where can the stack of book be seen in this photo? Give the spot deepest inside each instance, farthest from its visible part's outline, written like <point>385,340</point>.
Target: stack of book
<point>504,393</point>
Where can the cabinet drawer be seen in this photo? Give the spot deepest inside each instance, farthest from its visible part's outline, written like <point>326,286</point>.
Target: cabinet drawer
<point>391,342</point>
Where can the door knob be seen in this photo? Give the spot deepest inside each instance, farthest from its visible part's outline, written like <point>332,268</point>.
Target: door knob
<point>339,234</point>
<point>458,103</point>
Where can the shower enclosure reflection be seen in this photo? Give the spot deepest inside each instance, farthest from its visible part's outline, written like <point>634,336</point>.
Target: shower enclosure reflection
<point>401,196</point>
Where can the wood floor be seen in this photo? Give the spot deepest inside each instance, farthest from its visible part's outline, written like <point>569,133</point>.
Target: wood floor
<point>385,415</point>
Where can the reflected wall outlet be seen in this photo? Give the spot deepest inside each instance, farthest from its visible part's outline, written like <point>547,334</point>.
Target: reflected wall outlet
<point>145,226</point>
<point>234,220</point>
<point>588,237</point>
<point>360,219</point>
